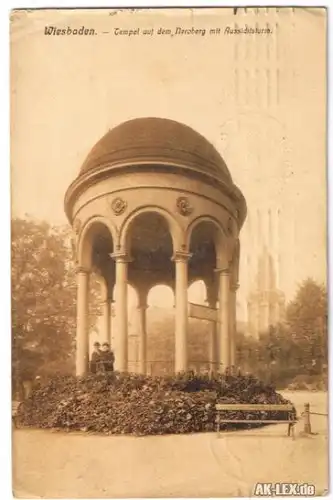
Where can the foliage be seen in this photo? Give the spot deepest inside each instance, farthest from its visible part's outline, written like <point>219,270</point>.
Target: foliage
<point>122,403</point>
<point>296,347</point>
<point>43,298</point>
<point>307,325</point>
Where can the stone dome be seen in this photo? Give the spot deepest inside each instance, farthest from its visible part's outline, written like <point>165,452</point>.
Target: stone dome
<point>157,141</point>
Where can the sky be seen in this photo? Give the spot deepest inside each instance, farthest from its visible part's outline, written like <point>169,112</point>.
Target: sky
<point>261,100</point>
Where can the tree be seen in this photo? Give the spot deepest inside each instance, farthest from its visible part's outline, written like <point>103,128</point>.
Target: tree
<point>247,352</point>
<point>43,298</point>
<point>297,347</point>
<point>279,355</point>
<point>306,320</point>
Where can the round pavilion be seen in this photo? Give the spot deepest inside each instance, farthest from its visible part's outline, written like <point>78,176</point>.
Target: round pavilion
<point>154,203</point>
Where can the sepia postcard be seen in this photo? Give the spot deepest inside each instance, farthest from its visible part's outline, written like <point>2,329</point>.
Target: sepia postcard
<point>169,255</point>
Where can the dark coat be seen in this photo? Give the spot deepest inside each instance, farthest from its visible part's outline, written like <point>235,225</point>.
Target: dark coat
<point>95,360</point>
<point>107,359</point>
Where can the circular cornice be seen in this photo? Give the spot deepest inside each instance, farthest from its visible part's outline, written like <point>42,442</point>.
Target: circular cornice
<point>83,181</point>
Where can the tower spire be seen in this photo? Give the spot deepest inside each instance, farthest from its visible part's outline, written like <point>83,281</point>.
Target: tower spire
<point>278,248</point>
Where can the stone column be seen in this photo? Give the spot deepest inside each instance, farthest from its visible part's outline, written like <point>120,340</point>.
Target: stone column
<point>106,326</point>
<point>181,305</point>
<point>106,312</point>
<point>82,322</point>
<point>121,348</point>
<point>110,322</point>
<point>233,323</point>
<point>213,354</point>
<point>142,308</point>
<point>223,315</point>
<point>213,344</point>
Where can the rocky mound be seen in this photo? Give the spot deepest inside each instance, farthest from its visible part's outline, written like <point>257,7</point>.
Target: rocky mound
<point>121,403</point>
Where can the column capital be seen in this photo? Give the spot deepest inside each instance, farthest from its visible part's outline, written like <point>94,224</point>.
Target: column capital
<point>181,256</point>
<point>121,257</point>
<point>82,270</point>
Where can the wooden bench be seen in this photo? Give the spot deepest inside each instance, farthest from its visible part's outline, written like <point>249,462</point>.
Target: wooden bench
<point>291,420</point>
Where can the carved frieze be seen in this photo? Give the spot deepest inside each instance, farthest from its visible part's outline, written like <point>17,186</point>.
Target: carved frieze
<point>184,206</point>
<point>118,205</point>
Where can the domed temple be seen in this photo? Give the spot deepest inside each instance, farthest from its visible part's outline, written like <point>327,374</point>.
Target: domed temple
<point>154,203</point>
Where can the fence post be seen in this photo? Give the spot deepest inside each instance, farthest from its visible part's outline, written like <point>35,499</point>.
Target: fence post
<point>218,421</point>
<point>307,423</point>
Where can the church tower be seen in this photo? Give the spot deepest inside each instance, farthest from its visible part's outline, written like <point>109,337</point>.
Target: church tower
<point>266,303</point>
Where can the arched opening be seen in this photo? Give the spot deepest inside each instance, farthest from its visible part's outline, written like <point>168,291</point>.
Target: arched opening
<point>161,296</point>
<point>203,242</point>
<point>204,239</point>
<point>153,214</point>
<point>95,243</point>
<point>94,249</point>
<point>160,330</point>
<point>150,246</point>
<point>132,307</point>
<point>198,330</point>
<point>197,292</point>
<point>133,334</point>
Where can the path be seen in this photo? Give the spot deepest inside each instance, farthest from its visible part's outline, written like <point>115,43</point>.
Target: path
<point>52,464</point>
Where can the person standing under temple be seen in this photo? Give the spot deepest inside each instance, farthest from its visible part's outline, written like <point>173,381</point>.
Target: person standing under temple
<point>95,357</point>
<point>107,357</point>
